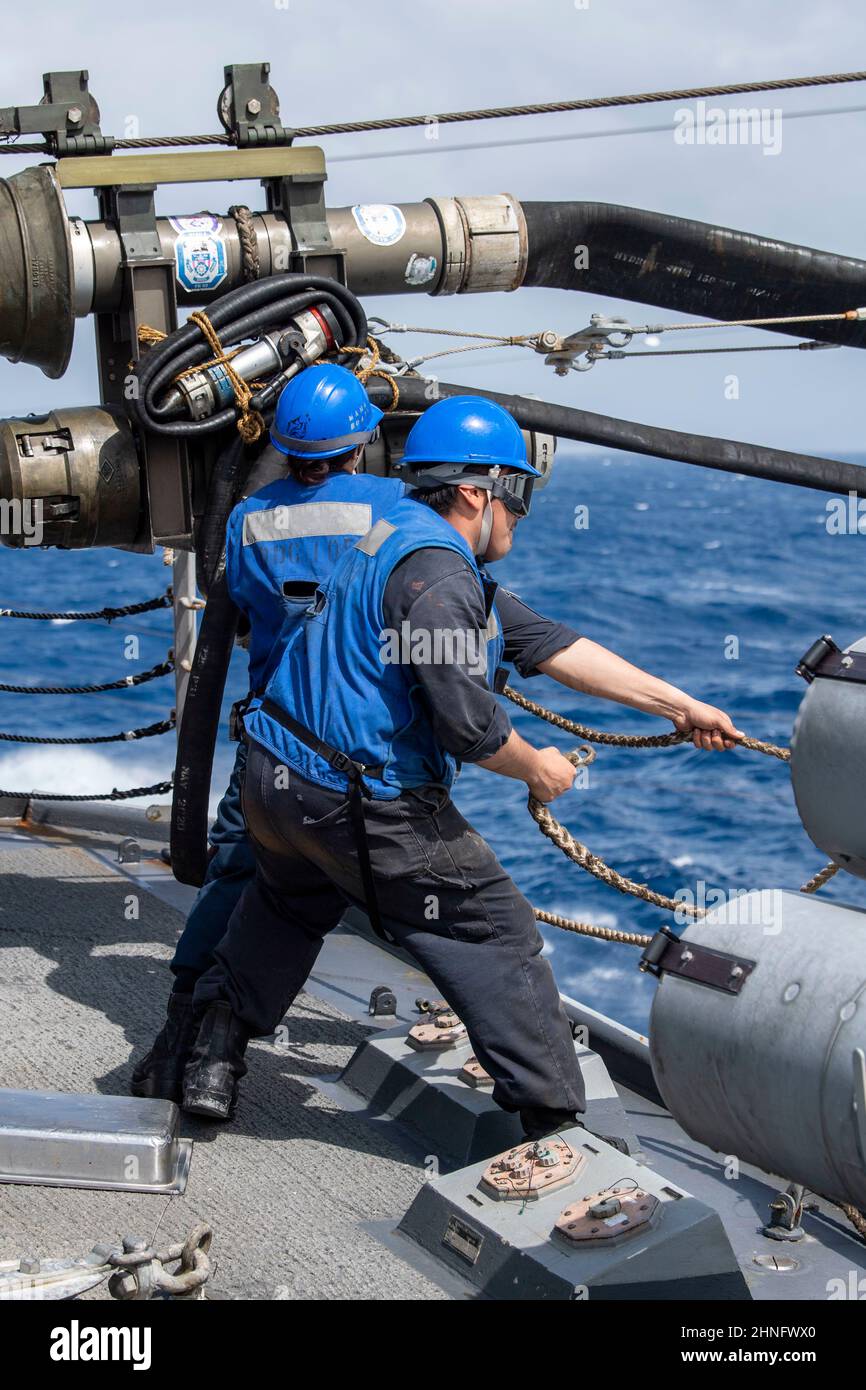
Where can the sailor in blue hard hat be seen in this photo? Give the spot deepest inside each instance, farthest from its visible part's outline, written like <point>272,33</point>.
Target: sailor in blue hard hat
<point>281,543</point>
<point>353,753</point>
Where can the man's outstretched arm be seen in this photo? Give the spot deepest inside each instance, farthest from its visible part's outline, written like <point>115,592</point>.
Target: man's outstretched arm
<point>593,669</point>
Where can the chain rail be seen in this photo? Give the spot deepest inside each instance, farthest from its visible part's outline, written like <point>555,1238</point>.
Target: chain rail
<point>158,789</point>
<point>164,726</point>
<point>164,668</point>
<point>109,614</point>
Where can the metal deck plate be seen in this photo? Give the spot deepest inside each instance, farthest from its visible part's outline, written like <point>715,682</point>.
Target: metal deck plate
<point>114,1142</point>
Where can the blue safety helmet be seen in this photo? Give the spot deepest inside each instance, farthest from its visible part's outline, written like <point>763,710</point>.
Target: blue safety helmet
<point>468,439</point>
<point>322,412</point>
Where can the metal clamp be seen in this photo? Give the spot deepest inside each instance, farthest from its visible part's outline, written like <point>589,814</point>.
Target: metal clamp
<point>67,117</point>
<point>669,954</point>
<point>249,108</point>
<point>828,661</point>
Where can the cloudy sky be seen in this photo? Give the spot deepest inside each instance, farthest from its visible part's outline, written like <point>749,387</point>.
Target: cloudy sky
<point>162,65</point>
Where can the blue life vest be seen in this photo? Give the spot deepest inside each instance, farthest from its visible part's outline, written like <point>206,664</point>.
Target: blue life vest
<point>290,533</point>
<point>352,684</point>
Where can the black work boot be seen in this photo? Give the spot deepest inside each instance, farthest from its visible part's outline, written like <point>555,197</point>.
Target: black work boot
<point>539,1123</point>
<point>159,1075</point>
<point>216,1064</point>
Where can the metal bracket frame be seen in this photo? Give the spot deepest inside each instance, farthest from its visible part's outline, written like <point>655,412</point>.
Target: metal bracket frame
<point>300,198</point>
<point>67,116</point>
<point>824,659</point>
<point>249,108</point>
<point>669,954</point>
<point>149,297</point>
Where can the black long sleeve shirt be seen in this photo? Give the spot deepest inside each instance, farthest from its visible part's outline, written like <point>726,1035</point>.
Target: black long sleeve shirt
<point>435,590</point>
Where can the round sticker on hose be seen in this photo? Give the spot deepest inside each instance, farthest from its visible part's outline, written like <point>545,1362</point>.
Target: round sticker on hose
<point>204,222</point>
<point>383,224</point>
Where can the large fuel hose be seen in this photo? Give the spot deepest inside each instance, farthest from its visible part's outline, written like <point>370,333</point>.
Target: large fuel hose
<point>693,267</point>
<point>226,483</point>
<point>726,455</point>
<point>199,725</point>
<point>197,735</point>
<point>247,312</point>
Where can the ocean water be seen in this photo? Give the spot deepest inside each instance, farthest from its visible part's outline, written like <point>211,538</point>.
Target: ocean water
<point>717,582</point>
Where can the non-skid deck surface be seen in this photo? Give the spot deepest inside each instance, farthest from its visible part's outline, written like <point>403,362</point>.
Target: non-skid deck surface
<point>290,1187</point>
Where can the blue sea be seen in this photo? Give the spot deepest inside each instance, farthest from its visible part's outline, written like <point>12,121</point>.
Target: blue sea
<point>717,582</point>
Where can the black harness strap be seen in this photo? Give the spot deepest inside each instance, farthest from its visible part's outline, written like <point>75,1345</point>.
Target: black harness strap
<point>358,793</point>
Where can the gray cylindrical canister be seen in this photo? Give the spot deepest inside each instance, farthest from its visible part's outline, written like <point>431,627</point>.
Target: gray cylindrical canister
<point>774,1075</point>
<point>828,767</point>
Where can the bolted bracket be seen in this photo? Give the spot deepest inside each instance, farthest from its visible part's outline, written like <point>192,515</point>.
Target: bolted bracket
<point>67,117</point>
<point>249,108</point>
<point>669,954</point>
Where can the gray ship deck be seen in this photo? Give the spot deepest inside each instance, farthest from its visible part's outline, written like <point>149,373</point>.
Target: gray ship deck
<point>304,1191</point>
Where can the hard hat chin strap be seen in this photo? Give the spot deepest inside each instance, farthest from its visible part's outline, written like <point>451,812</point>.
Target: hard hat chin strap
<point>486,528</point>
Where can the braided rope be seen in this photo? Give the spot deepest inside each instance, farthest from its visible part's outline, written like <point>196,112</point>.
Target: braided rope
<point>109,614</point>
<point>820,878</point>
<point>164,668</point>
<point>856,1217</point>
<point>158,789</point>
<point>375,349</point>
<point>626,938</point>
<point>248,240</point>
<point>250,423</point>
<point>630,740</point>
<point>581,855</point>
<point>130,735</point>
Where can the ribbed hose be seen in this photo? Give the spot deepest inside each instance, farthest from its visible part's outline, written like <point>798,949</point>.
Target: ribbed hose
<point>197,734</point>
<point>226,483</point>
<point>726,455</point>
<point>692,267</point>
<point>248,312</point>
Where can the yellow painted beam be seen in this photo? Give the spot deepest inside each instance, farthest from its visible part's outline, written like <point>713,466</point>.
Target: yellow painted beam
<point>189,166</point>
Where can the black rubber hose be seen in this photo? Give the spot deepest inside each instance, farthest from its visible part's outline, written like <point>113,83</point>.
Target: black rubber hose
<point>226,481</point>
<point>691,267</point>
<point>197,735</point>
<point>246,312</point>
<point>725,455</point>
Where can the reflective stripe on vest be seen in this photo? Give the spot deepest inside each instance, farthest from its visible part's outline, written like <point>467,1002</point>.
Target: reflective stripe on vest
<point>292,534</point>
<point>308,519</point>
<point>343,678</point>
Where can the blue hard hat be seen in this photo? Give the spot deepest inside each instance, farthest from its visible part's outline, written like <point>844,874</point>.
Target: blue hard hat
<point>322,412</point>
<point>470,432</point>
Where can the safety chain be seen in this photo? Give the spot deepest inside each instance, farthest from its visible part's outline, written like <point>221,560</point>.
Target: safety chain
<point>158,789</point>
<point>109,614</point>
<point>140,1273</point>
<point>129,735</point>
<point>250,423</point>
<point>164,668</point>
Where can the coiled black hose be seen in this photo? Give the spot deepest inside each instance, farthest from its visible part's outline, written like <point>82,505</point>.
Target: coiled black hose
<point>262,307</point>
<point>247,312</point>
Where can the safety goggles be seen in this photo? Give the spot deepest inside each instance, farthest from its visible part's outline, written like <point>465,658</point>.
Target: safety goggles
<point>514,490</point>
